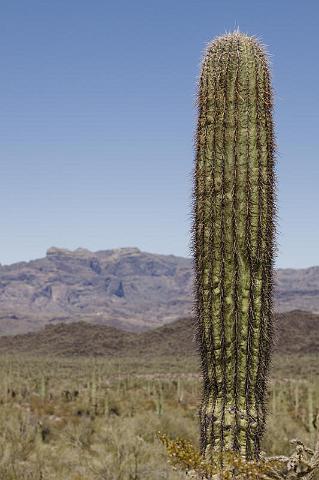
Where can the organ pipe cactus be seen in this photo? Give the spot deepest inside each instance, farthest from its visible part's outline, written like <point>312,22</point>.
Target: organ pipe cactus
<point>233,240</point>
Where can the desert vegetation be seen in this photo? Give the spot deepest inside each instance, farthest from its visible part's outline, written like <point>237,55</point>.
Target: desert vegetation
<point>99,418</point>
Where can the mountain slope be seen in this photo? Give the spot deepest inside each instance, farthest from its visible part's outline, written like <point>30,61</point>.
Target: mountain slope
<point>297,333</point>
<point>123,287</point>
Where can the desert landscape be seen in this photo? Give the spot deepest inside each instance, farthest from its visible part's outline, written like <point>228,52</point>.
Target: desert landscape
<point>83,398</point>
<point>159,268</point>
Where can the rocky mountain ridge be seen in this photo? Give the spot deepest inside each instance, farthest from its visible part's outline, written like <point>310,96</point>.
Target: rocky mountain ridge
<point>124,288</point>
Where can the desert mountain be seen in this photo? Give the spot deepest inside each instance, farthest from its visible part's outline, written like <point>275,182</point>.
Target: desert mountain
<point>297,332</point>
<point>124,288</point>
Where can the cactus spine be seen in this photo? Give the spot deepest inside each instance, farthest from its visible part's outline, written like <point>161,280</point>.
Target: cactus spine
<point>233,242</point>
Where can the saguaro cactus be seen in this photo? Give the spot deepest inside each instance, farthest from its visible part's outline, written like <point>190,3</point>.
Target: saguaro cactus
<point>233,242</point>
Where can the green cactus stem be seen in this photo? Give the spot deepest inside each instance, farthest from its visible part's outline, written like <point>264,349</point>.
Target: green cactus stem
<point>233,242</point>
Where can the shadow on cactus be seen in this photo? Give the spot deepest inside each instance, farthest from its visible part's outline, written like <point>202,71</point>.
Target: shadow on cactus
<point>233,244</point>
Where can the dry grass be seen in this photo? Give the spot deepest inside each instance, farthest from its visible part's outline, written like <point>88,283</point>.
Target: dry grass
<point>97,419</point>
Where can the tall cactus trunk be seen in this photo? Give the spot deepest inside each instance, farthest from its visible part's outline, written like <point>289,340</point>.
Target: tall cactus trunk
<point>233,242</point>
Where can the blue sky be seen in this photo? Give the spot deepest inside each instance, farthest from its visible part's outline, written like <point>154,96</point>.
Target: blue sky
<point>98,116</point>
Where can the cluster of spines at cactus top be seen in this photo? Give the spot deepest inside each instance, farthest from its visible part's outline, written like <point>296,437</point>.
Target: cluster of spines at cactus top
<point>233,236</point>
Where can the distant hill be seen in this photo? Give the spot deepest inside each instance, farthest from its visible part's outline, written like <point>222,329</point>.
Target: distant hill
<point>297,333</point>
<point>124,288</point>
